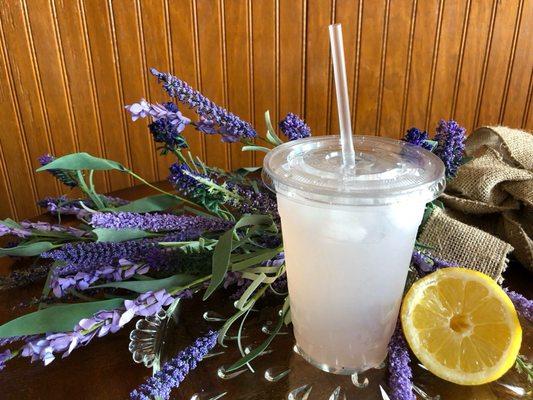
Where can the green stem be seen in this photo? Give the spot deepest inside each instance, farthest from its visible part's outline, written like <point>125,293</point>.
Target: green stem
<point>190,285</point>
<point>160,190</point>
<point>92,195</point>
<point>180,156</point>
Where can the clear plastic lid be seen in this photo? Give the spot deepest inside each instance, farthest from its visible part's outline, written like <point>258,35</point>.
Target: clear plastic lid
<point>386,171</point>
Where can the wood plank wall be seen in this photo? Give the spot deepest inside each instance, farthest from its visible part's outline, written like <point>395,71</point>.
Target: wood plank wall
<point>67,68</point>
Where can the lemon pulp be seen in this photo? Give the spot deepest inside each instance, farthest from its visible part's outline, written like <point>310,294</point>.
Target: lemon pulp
<point>462,326</point>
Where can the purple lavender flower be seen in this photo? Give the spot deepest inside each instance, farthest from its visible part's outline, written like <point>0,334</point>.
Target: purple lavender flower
<point>23,277</point>
<point>253,200</point>
<point>100,324</point>
<point>523,305</point>
<point>427,263</point>
<point>186,181</point>
<point>450,137</point>
<point>26,229</point>
<point>4,357</point>
<point>174,372</point>
<point>89,254</point>
<point>231,127</point>
<point>63,176</point>
<point>63,206</point>
<point>81,280</point>
<point>418,138</point>
<point>159,222</point>
<point>294,127</point>
<point>400,374</point>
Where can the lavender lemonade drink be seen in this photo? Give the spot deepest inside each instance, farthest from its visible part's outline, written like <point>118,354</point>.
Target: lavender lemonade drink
<point>348,238</point>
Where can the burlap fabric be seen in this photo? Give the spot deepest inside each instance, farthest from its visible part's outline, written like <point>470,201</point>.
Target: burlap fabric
<point>488,205</point>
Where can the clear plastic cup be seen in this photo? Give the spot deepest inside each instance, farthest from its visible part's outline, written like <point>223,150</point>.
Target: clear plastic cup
<point>348,238</point>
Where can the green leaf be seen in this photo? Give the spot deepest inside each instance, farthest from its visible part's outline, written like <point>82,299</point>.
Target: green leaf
<point>224,247</point>
<point>221,257</point>
<point>83,161</point>
<point>255,259</point>
<point>120,235</point>
<point>61,318</point>
<point>262,347</point>
<point>222,332</point>
<point>249,290</point>
<point>255,148</point>
<point>271,136</point>
<point>27,250</point>
<point>10,223</point>
<point>158,202</point>
<point>151,285</point>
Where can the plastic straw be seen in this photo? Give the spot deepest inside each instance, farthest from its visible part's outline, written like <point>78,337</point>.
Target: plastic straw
<point>341,88</point>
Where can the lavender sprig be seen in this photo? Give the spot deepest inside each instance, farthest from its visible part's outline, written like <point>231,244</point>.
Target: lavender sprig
<point>400,374</point>
<point>252,200</point>
<point>294,127</point>
<point>418,138</point>
<point>92,254</point>
<point>158,222</point>
<point>24,277</point>
<point>174,372</point>
<point>5,356</point>
<point>46,347</point>
<point>82,280</point>
<point>213,118</point>
<point>523,305</point>
<point>63,176</point>
<point>167,125</point>
<point>63,206</point>
<point>427,263</point>
<point>450,148</point>
<point>193,185</point>
<point>27,228</point>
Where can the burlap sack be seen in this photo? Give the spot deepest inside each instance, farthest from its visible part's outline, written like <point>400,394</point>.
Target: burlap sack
<point>465,245</point>
<point>514,145</point>
<point>489,204</point>
<point>481,179</point>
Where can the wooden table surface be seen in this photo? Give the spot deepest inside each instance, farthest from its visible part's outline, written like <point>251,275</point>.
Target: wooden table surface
<point>104,369</point>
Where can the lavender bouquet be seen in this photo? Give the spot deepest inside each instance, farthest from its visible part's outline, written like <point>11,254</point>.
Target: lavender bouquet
<point>218,229</point>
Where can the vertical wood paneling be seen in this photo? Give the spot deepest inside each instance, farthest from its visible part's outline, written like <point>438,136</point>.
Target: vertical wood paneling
<point>184,61</point>
<point>521,70</point>
<point>211,70</point>
<point>264,64</point>
<point>19,197</point>
<point>26,96</point>
<point>81,89</point>
<point>133,83</point>
<point>108,97</point>
<point>318,62</point>
<point>347,14</point>
<point>237,61</point>
<point>291,62</point>
<point>476,46</point>
<point>369,68</point>
<point>447,61</point>
<point>156,40</point>
<point>68,67</point>
<point>395,68</point>
<point>424,42</point>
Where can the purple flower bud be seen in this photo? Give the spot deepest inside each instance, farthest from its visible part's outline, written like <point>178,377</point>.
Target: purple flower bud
<point>400,374</point>
<point>159,222</point>
<point>523,305</point>
<point>231,127</point>
<point>174,372</point>
<point>294,127</point>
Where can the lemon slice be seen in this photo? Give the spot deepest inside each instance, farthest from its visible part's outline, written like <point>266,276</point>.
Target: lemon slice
<point>462,326</point>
